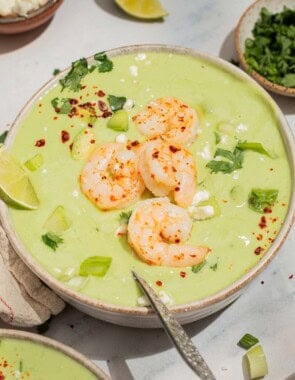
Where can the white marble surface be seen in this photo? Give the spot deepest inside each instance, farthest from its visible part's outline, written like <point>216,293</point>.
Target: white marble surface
<point>81,28</point>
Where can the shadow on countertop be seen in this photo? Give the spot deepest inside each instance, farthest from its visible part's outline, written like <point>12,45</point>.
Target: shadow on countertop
<point>11,42</point>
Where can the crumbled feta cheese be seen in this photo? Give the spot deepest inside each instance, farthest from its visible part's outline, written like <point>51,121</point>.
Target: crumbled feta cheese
<point>121,230</point>
<point>165,298</point>
<point>202,195</point>
<point>129,104</point>
<point>75,193</point>
<point>202,212</point>
<point>19,7</point>
<point>133,70</point>
<point>236,175</point>
<point>245,239</point>
<point>78,282</point>
<point>121,138</point>
<point>205,153</point>
<point>140,57</point>
<point>44,171</point>
<point>241,128</point>
<point>143,301</point>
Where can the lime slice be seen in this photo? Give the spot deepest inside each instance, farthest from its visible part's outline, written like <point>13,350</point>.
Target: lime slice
<point>145,9</point>
<point>15,186</point>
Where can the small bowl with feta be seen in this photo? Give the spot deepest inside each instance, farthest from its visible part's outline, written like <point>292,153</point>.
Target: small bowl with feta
<point>18,16</point>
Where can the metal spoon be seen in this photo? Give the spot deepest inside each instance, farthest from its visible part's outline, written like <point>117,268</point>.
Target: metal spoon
<point>180,339</point>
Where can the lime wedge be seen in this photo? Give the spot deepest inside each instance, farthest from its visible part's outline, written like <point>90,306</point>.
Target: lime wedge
<point>15,186</point>
<point>144,9</point>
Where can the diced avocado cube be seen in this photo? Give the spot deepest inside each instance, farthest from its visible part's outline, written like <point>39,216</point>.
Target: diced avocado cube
<point>119,121</point>
<point>35,162</point>
<point>83,144</point>
<point>58,222</point>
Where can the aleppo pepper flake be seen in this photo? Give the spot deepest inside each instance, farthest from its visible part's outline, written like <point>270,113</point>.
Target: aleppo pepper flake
<point>40,143</point>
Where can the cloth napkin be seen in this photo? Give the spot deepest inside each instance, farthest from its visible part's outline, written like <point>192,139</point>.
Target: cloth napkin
<point>24,300</point>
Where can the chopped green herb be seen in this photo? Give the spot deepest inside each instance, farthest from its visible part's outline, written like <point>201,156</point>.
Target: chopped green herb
<point>271,51</point>
<point>42,329</point>
<point>247,341</point>
<point>20,366</point>
<point>235,160</point>
<point>62,106</point>
<point>72,80</point>
<point>217,137</point>
<point>125,216</point>
<point>103,62</point>
<point>234,62</point>
<point>116,102</point>
<point>3,137</point>
<point>256,362</point>
<point>214,267</point>
<point>261,198</point>
<point>52,240</point>
<point>95,266</point>
<point>198,267</point>
<point>254,146</point>
<point>56,71</point>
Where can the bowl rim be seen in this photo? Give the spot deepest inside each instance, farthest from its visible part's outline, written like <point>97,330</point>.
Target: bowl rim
<point>271,86</point>
<point>56,346</point>
<point>233,288</point>
<point>7,20</point>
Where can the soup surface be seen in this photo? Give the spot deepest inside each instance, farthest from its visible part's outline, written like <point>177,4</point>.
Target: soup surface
<point>229,109</point>
<point>21,359</point>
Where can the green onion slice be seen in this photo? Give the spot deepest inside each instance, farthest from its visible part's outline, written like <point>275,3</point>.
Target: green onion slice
<point>95,266</point>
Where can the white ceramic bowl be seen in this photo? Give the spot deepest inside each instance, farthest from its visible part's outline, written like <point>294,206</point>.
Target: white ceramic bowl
<point>56,346</point>
<point>142,316</point>
<point>244,31</point>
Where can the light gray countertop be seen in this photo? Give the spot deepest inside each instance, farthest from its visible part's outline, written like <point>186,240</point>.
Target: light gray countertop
<point>267,310</point>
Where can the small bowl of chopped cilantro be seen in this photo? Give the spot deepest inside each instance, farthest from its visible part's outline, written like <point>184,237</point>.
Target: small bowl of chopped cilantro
<point>265,44</point>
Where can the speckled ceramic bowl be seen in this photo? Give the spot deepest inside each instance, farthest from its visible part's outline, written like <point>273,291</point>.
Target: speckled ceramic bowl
<point>56,346</point>
<point>19,24</point>
<point>244,31</point>
<point>143,316</point>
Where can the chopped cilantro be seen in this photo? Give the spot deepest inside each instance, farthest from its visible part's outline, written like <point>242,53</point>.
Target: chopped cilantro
<point>72,80</point>
<point>214,267</point>
<point>103,62</point>
<point>271,51</point>
<point>125,216</point>
<point>116,102</point>
<point>235,160</point>
<point>56,71</point>
<point>261,198</point>
<point>20,366</point>
<point>52,240</point>
<point>3,137</point>
<point>62,106</point>
<point>198,267</point>
<point>254,146</point>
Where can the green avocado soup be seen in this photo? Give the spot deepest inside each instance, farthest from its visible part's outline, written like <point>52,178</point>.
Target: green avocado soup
<point>230,110</point>
<point>22,359</point>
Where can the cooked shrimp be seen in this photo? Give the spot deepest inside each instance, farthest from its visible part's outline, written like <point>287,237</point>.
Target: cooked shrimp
<point>155,230</point>
<point>170,118</point>
<point>110,178</point>
<point>167,167</point>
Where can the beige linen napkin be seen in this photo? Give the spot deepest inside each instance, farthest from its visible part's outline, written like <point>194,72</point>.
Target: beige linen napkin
<point>24,300</point>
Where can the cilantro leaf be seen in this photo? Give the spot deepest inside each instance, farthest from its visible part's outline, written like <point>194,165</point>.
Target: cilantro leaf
<point>103,62</point>
<point>62,106</point>
<point>217,137</point>
<point>52,240</point>
<point>254,146</point>
<point>72,80</point>
<point>261,198</point>
<point>235,161</point>
<point>3,137</point>
<point>125,216</point>
<point>116,102</point>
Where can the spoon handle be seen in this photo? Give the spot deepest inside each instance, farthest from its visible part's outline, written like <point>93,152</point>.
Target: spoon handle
<point>180,339</point>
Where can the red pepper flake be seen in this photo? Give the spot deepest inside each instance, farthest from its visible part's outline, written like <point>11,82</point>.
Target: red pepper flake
<point>101,93</point>
<point>159,283</point>
<point>291,276</point>
<point>2,377</point>
<point>55,117</point>
<point>173,149</point>
<point>177,188</point>
<point>259,237</point>
<point>284,204</point>
<point>73,101</point>
<point>71,146</point>
<point>82,87</point>
<point>271,169</point>
<point>258,250</point>
<point>65,136</point>
<point>267,210</point>
<point>5,364</point>
<point>262,223</point>
<point>90,125</point>
<point>40,105</point>
<point>106,114</point>
<point>182,274</point>
<point>274,220</point>
<point>92,141</point>
<point>40,143</point>
<point>102,106</point>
